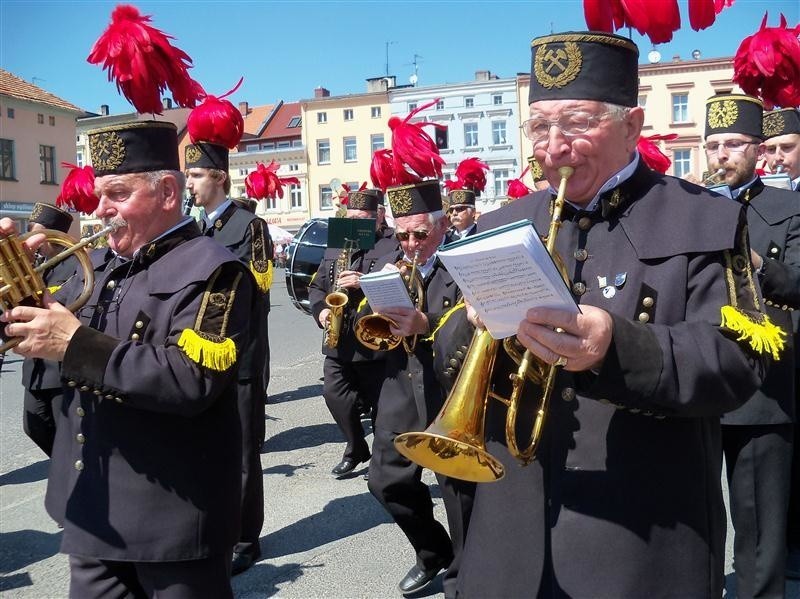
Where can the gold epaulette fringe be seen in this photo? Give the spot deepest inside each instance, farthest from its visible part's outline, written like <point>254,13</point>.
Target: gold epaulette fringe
<point>214,354</point>
<point>361,304</point>
<point>444,319</point>
<point>263,279</point>
<point>314,276</point>
<point>762,335</point>
<point>53,288</point>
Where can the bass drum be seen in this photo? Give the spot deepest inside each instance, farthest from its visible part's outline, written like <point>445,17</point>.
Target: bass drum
<point>303,257</point>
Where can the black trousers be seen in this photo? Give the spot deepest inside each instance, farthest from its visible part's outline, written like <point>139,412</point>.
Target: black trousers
<point>346,386</point>
<point>251,415</point>
<point>38,419</point>
<point>208,578</point>
<point>758,464</point>
<point>396,483</point>
<point>793,528</point>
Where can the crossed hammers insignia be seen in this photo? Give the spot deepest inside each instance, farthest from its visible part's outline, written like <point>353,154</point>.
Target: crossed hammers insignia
<point>554,58</point>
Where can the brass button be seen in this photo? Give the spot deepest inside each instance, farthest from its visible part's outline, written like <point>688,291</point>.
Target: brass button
<point>97,392</point>
<point>453,362</point>
<point>648,302</point>
<point>773,251</point>
<point>446,303</point>
<point>84,388</point>
<point>581,255</point>
<point>768,302</point>
<point>100,309</point>
<point>644,317</point>
<point>464,348</point>
<point>78,465</point>
<point>635,410</point>
<point>459,354</point>
<point>579,288</point>
<point>784,307</point>
<point>80,438</point>
<point>584,223</point>
<point>139,324</point>
<point>72,384</point>
<point>109,396</point>
<point>409,375</point>
<point>111,284</point>
<point>118,399</point>
<point>568,394</point>
<point>135,337</point>
<point>80,412</point>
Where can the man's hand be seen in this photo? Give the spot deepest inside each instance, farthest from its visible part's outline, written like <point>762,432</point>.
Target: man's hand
<point>584,341</point>
<point>323,317</point>
<point>472,316</point>
<point>349,279</point>
<point>45,332</point>
<point>409,321</point>
<point>8,228</point>
<point>756,259</point>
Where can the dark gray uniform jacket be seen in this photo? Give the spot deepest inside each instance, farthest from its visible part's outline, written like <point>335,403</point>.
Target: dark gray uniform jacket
<point>624,498</point>
<point>773,217</point>
<point>147,458</point>
<point>348,348</point>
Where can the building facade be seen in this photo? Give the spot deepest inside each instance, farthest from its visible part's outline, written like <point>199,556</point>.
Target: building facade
<point>37,133</point>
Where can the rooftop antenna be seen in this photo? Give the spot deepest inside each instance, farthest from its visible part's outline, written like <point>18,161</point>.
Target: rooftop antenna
<point>35,79</point>
<point>387,56</point>
<point>415,76</point>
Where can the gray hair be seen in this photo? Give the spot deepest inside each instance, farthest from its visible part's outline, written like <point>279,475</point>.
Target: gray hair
<point>435,216</point>
<point>615,111</point>
<point>154,177</point>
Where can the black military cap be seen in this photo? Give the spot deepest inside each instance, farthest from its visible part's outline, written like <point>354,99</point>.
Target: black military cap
<point>365,199</point>
<point>781,122</point>
<point>50,217</point>
<point>206,155</point>
<point>734,113</point>
<point>416,198</point>
<point>461,197</point>
<point>136,147</point>
<point>585,65</point>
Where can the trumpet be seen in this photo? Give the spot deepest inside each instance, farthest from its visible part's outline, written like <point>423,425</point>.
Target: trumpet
<point>454,444</point>
<point>712,179</point>
<point>374,332</point>
<point>22,283</point>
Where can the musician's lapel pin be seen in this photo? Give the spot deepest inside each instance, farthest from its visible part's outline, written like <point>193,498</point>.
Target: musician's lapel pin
<point>610,291</point>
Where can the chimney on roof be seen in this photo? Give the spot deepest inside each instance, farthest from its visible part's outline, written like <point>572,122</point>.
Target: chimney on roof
<point>103,109</point>
<point>166,103</point>
<point>244,108</point>
<point>381,84</point>
<point>483,75</point>
<point>676,58</point>
<point>321,92</point>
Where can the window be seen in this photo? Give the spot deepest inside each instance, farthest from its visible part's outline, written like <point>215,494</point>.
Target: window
<point>40,119</point>
<point>283,144</point>
<point>680,108</point>
<point>376,112</point>
<point>325,197</point>
<point>244,171</point>
<point>322,117</point>
<point>350,154</point>
<point>376,142</point>
<point>642,101</point>
<point>323,151</point>
<point>10,113</point>
<point>271,202</point>
<point>681,162</point>
<point>7,159</point>
<point>440,105</point>
<point>295,196</point>
<point>297,143</point>
<point>412,106</point>
<point>471,135</point>
<point>441,136</point>
<point>251,147</point>
<point>268,145</point>
<point>497,99</point>
<point>500,182</point>
<point>469,102</point>
<point>498,133</point>
<point>294,122</point>
<point>294,167</point>
<point>52,121</point>
<point>47,164</point>
<point>348,114</point>
<point>79,158</point>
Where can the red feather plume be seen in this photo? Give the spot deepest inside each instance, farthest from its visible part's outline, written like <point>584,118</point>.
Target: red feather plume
<point>216,121</point>
<point>264,182</point>
<point>77,190</point>
<point>518,189</point>
<point>652,154</point>
<point>384,173</point>
<point>143,63</point>
<point>767,64</point>
<point>414,149</point>
<point>703,13</point>
<point>470,174</point>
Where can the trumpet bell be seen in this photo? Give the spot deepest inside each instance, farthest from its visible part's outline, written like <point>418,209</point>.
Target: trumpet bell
<point>465,458</point>
<point>373,332</point>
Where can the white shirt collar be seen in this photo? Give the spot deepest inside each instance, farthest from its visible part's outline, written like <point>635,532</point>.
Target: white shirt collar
<point>614,181</point>
<point>215,214</point>
<point>735,193</point>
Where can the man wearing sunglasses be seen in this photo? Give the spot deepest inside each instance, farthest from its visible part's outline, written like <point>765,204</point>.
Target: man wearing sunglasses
<point>757,437</point>
<point>462,216</point>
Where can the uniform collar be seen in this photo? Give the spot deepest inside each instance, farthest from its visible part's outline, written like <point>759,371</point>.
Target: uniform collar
<point>754,185</point>
<point>220,213</point>
<point>613,182</point>
<point>150,252</point>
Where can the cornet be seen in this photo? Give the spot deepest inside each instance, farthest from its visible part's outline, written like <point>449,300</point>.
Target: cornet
<point>454,443</point>
<point>21,283</point>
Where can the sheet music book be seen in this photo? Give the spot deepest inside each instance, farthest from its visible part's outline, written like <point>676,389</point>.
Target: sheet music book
<point>385,289</point>
<point>503,273</point>
<point>358,231</point>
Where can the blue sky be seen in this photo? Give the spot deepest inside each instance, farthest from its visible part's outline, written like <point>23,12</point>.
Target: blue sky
<point>286,48</point>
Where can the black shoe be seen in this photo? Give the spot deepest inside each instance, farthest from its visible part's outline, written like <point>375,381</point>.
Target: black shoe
<point>417,579</point>
<point>241,562</point>
<point>346,466</point>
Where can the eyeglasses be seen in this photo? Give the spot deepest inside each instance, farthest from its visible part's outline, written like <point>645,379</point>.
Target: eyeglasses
<point>731,145</point>
<point>420,235</point>
<point>571,124</point>
<point>457,209</point>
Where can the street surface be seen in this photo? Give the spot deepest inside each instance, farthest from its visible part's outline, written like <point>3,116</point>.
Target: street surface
<point>322,537</point>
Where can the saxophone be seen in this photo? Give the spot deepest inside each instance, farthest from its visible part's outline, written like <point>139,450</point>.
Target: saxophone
<point>336,301</point>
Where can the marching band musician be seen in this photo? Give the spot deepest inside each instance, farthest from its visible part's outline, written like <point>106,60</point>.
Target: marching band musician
<point>145,474</point>
<point>624,497</point>
<point>411,396</point>
<point>353,374</point>
<point>245,235</point>
<point>757,437</point>
<point>782,143</point>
